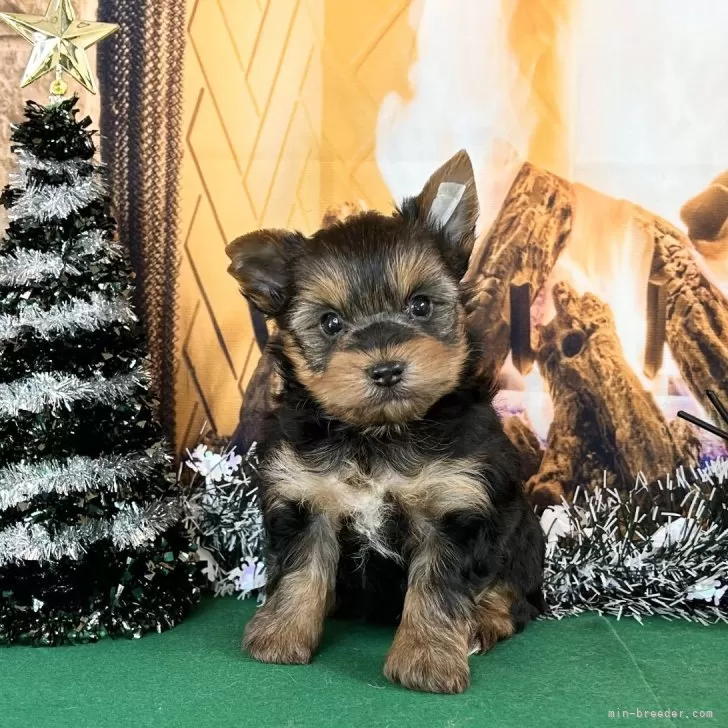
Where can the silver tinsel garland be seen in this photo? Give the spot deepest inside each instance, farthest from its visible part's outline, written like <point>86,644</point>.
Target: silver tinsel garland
<point>20,482</point>
<point>26,161</point>
<point>222,513</point>
<point>132,526</point>
<point>622,554</point>
<point>47,202</point>
<point>51,390</point>
<point>66,318</point>
<point>93,243</point>
<point>607,550</point>
<point>44,202</point>
<point>34,266</point>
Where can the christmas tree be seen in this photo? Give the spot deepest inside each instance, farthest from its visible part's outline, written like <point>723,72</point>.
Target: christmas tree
<point>90,536</point>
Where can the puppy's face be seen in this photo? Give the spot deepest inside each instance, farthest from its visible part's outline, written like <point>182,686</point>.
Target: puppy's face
<point>369,309</point>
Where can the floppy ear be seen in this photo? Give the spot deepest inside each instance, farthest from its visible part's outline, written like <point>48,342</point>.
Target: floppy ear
<point>449,203</point>
<point>260,266</point>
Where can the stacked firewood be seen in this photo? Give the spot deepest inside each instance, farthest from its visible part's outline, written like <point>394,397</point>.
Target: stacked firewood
<point>606,425</point>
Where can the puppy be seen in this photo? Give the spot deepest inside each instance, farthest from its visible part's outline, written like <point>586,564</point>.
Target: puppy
<point>390,491</point>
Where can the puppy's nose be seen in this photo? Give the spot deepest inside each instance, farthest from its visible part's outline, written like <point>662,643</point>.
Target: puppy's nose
<point>387,373</point>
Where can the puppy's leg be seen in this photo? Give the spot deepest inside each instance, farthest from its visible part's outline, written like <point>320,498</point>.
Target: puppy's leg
<point>303,555</point>
<point>493,617</point>
<point>514,598</point>
<point>430,648</point>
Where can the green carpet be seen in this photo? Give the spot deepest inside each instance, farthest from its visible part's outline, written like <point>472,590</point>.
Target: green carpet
<point>561,674</point>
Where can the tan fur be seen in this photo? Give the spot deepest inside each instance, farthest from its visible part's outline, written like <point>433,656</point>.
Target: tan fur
<point>411,268</point>
<point>342,211</point>
<point>439,487</point>
<point>430,648</point>
<point>435,365</point>
<point>344,389</point>
<point>325,288</point>
<point>288,627</point>
<point>492,620</point>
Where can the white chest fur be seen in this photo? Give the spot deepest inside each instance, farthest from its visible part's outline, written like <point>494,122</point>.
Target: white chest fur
<point>438,487</point>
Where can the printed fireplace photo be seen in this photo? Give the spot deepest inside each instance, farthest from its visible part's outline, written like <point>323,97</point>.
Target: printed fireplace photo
<point>605,320</point>
<point>599,277</point>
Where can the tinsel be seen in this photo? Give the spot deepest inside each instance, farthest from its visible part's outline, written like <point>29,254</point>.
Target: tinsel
<point>132,526</point>
<point>659,549</point>
<point>51,390</point>
<point>34,266</point>
<point>66,318</point>
<point>27,161</point>
<point>94,242</point>
<point>46,202</point>
<point>52,132</point>
<point>151,591</point>
<point>222,513</point>
<point>20,482</point>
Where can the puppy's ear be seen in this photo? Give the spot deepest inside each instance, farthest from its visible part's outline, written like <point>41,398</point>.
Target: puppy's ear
<point>260,265</point>
<point>449,203</point>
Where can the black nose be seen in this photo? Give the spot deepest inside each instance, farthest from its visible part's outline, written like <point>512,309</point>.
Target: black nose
<point>387,373</point>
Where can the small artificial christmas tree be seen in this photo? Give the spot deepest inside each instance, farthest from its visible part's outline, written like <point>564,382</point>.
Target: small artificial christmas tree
<point>90,535</point>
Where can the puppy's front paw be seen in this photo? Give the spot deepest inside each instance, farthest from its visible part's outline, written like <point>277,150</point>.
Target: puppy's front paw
<point>268,639</point>
<point>419,663</point>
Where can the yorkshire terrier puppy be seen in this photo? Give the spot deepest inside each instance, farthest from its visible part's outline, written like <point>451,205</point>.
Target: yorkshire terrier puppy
<point>390,490</point>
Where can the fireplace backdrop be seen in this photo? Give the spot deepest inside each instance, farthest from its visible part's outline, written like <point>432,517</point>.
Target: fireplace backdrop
<point>597,133</point>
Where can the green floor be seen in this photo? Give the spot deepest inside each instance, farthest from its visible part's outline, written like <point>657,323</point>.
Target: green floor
<point>561,674</point>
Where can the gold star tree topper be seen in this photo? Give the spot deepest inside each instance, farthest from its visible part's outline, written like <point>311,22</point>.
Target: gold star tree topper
<point>59,44</point>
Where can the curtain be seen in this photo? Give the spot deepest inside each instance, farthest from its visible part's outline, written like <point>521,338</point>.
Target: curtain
<point>140,72</point>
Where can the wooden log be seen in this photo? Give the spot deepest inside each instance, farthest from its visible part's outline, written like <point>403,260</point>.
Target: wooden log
<point>521,248</point>
<point>572,457</point>
<point>706,214</point>
<point>601,408</point>
<point>526,442</point>
<point>696,310</point>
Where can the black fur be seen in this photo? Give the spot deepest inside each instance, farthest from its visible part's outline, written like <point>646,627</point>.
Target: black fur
<point>509,544</point>
<point>361,271</point>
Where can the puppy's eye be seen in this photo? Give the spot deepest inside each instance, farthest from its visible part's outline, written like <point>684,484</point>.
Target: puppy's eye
<point>420,306</point>
<point>331,324</point>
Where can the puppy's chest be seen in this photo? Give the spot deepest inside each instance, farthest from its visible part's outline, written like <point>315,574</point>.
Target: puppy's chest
<point>348,493</point>
<point>367,498</point>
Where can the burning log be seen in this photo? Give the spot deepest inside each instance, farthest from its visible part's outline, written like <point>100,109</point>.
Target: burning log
<point>516,259</point>
<point>706,217</point>
<point>696,311</point>
<point>570,458</point>
<point>526,442</point>
<point>603,417</point>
